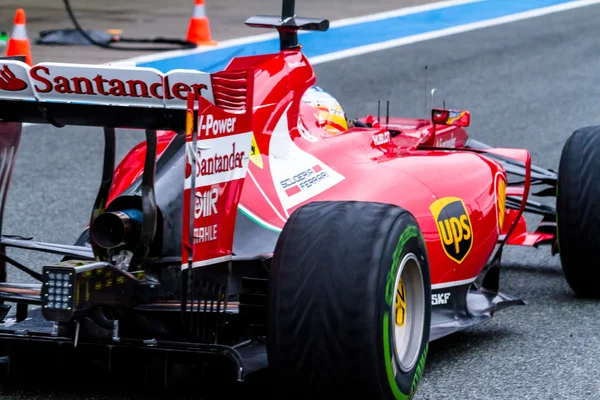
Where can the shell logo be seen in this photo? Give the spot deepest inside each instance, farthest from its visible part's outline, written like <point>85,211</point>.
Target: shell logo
<point>501,202</point>
<point>189,123</point>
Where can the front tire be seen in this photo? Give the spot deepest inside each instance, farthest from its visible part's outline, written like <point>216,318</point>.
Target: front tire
<point>349,308</point>
<point>578,212</point>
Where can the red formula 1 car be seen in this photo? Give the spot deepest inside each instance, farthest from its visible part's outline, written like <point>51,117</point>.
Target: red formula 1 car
<point>258,226</point>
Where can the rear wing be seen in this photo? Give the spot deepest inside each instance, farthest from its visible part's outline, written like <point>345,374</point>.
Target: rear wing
<point>144,98</point>
<point>106,96</point>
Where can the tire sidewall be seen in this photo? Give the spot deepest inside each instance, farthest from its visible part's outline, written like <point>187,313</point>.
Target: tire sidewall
<point>577,216</point>
<point>405,238</point>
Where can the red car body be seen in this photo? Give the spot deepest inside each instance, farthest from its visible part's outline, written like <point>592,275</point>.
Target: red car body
<point>194,275</point>
<point>400,172</point>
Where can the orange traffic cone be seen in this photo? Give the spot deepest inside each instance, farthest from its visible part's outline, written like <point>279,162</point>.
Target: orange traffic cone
<point>199,27</point>
<point>18,44</point>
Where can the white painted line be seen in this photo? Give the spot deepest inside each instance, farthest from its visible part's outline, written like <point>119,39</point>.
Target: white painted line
<point>449,31</point>
<point>268,36</point>
<point>222,45</point>
<point>401,12</point>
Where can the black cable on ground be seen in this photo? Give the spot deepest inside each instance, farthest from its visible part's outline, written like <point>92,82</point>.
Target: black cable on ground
<point>178,44</point>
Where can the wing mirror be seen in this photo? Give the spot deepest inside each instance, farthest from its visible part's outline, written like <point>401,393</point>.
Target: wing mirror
<point>440,116</point>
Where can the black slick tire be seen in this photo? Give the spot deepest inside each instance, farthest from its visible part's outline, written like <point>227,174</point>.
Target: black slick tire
<point>578,211</point>
<point>331,302</point>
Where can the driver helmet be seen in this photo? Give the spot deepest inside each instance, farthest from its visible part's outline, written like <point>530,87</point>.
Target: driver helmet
<point>328,111</point>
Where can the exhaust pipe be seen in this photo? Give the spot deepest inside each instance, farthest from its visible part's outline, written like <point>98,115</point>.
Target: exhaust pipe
<point>116,228</point>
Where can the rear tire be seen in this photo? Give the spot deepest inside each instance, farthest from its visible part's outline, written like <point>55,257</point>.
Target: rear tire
<point>578,212</point>
<point>332,327</point>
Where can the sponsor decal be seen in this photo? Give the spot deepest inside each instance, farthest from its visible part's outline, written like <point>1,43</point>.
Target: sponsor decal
<point>296,64</point>
<point>418,373</point>
<point>298,176</point>
<point>206,203</point>
<point>401,304</point>
<point>15,82</point>
<point>219,160</point>
<point>501,201</point>
<point>255,156</point>
<point>206,206</point>
<point>454,227</point>
<point>304,180</point>
<point>439,298</point>
<point>100,84</point>
<point>205,234</point>
<point>209,125</point>
<point>48,80</point>
<point>380,139</point>
<point>189,123</point>
<point>9,82</point>
<point>302,184</point>
<point>216,163</point>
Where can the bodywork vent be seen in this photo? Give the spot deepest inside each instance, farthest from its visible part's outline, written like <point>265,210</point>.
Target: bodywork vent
<point>230,89</point>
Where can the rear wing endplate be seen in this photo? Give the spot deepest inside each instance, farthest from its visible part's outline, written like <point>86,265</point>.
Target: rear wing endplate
<point>218,143</point>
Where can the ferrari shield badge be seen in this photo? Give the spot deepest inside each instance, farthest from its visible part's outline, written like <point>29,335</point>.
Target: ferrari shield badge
<point>454,227</point>
<point>255,154</point>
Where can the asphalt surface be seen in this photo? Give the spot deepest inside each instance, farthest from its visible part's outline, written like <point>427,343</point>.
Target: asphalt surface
<point>528,84</point>
<point>150,19</point>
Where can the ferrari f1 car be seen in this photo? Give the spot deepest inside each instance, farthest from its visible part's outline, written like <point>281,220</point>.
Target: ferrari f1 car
<point>258,227</point>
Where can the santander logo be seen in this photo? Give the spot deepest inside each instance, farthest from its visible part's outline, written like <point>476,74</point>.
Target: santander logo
<point>98,85</point>
<point>216,162</point>
<point>9,82</point>
<point>102,84</point>
<point>219,160</point>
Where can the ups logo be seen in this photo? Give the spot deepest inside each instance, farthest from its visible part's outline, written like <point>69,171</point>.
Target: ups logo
<point>454,226</point>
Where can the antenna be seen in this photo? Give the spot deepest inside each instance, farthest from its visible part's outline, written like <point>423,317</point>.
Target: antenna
<point>432,94</point>
<point>426,84</point>
<point>387,114</point>
<point>378,110</point>
<point>444,104</point>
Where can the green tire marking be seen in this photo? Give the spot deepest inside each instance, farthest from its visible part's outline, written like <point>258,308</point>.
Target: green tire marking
<point>387,354</point>
<point>418,372</point>
<point>410,232</point>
